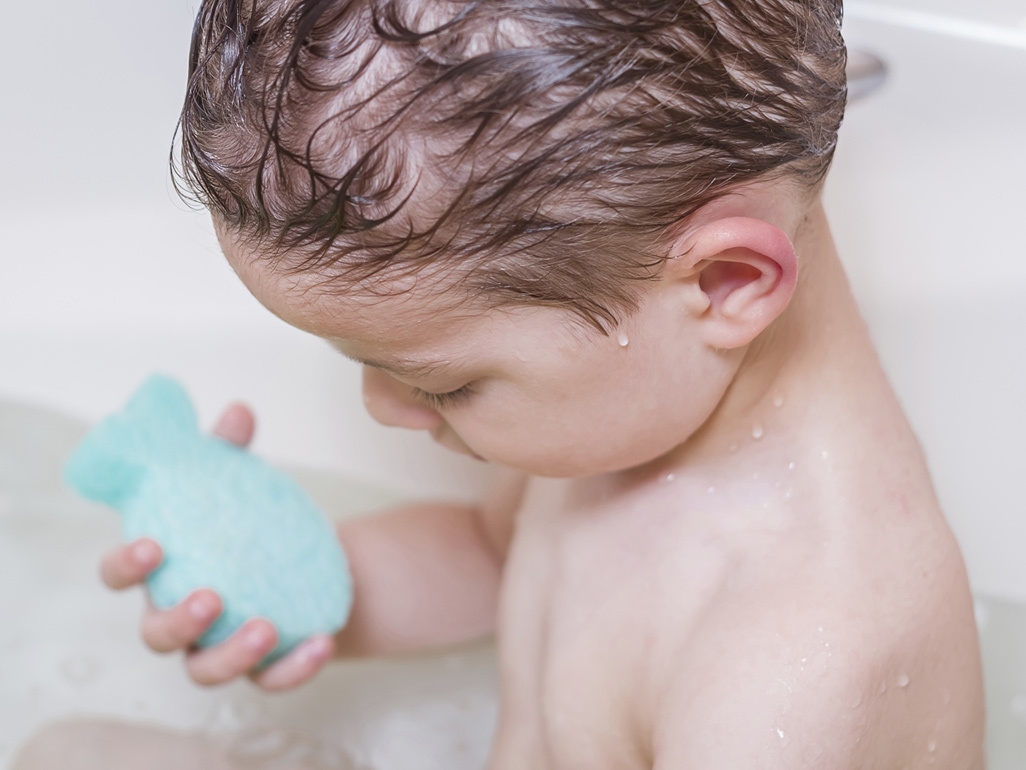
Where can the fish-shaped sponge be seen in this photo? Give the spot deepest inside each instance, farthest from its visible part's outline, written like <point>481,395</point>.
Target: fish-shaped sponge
<point>225,519</point>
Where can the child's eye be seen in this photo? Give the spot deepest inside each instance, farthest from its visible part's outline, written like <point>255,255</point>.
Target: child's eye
<point>441,401</point>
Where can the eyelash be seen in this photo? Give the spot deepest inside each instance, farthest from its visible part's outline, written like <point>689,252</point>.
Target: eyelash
<point>441,401</point>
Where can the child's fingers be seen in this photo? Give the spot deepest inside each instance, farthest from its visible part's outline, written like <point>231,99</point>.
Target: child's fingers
<point>235,656</point>
<point>183,624</point>
<point>128,565</point>
<point>236,425</point>
<point>298,666</point>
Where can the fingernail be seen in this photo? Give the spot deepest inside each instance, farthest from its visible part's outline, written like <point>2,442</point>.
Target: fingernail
<point>256,637</point>
<point>314,650</point>
<point>145,553</point>
<point>202,607</point>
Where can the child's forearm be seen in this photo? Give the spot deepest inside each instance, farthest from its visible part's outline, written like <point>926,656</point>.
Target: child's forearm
<point>424,576</point>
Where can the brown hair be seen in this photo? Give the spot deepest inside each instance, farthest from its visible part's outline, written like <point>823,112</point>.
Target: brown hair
<point>540,147</point>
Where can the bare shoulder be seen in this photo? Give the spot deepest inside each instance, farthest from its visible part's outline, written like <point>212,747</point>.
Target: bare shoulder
<point>843,648</point>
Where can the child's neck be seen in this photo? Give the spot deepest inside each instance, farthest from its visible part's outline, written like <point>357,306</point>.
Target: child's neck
<point>813,357</point>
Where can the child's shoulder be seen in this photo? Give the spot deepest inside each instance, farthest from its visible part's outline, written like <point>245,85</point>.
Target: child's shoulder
<point>841,636</point>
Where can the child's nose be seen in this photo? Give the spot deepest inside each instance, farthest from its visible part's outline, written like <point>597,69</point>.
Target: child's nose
<point>392,403</point>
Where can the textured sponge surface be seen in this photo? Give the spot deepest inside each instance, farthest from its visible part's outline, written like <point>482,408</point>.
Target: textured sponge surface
<point>225,519</point>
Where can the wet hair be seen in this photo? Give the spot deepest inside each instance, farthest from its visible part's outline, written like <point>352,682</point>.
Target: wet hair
<point>536,151</point>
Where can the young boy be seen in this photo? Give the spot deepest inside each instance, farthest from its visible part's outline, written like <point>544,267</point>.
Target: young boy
<point>583,240</point>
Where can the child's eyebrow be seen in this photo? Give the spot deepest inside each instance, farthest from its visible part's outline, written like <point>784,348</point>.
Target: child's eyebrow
<point>404,367</point>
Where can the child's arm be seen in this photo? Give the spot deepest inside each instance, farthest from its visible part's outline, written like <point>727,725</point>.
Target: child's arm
<point>424,576</point>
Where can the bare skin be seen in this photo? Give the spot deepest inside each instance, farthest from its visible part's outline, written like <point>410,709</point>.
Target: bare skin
<point>718,546</point>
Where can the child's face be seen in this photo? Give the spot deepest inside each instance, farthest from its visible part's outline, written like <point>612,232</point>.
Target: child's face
<point>525,387</point>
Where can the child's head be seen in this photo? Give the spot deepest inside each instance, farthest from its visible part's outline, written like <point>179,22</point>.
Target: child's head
<point>509,166</point>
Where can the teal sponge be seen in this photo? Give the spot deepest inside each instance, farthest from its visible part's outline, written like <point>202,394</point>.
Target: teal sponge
<point>225,519</point>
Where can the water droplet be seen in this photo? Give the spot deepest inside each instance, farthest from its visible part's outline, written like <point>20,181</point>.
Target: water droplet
<point>790,466</point>
<point>820,629</point>
<point>81,670</point>
<point>711,490</point>
<point>931,745</point>
<point>623,340</point>
<point>788,493</point>
<point>778,400</point>
<point>824,454</point>
<point>668,478</point>
<point>902,680</point>
<point>781,733</point>
<point>757,431</point>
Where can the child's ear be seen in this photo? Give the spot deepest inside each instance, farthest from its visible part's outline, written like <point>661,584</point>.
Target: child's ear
<point>743,272</point>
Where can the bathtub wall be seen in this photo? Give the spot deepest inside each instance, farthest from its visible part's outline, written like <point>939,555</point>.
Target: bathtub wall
<point>105,276</point>
<point>927,199</point>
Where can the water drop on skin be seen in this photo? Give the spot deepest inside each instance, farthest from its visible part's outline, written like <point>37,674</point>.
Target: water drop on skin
<point>825,454</point>
<point>623,340</point>
<point>711,490</point>
<point>757,431</point>
<point>778,400</point>
<point>790,466</point>
<point>668,478</point>
<point>903,680</point>
<point>931,745</point>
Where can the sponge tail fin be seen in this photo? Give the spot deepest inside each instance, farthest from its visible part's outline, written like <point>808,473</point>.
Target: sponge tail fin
<point>100,472</point>
<point>158,422</point>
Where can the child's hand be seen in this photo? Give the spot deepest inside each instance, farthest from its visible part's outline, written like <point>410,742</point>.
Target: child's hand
<point>179,627</point>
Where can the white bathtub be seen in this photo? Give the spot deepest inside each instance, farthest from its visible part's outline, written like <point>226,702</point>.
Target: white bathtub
<point>105,277</point>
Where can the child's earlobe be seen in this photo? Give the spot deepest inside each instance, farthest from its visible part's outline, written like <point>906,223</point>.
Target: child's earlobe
<point>747,271</point>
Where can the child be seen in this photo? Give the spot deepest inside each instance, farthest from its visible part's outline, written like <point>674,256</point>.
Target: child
<point>583,240</point>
